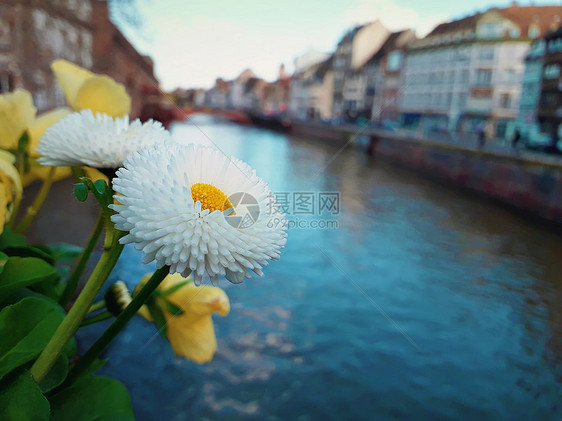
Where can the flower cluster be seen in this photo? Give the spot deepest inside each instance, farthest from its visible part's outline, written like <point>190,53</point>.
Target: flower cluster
<point>180,204</point>
<point>175,202</point>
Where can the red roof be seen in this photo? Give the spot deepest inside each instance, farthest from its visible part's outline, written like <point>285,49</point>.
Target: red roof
<point>545,18</point>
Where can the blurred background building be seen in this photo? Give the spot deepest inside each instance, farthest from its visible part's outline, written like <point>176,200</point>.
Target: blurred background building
<point>34,33</point>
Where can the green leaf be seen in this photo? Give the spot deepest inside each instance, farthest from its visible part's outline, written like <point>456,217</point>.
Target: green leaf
<point>92,398</point>
<point>63,272</point>
<point>95,366</point>
<point>171,290</point>
<point>65,253</point>
<point>71,348</point>
<point>173,309</point>
<point>51,288</point>
<point>100,186</point>
<point>25,328</point>
<point>21,399</point>
<point>56,374</point>
<point>3,261</point>
<point>11,239</point>
<point>157,315</point>
<point>20,272</point>
<point>29,251</point>
<point>23,141</point>
<point>81,192</point>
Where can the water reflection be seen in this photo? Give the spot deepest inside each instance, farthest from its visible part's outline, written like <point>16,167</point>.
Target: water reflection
<point>477,288</point>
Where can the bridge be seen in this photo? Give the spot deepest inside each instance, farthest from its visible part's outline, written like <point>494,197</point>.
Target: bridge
<point>233,115</point>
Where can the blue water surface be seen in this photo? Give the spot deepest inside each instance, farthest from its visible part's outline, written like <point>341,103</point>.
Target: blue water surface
<point>424,303</point>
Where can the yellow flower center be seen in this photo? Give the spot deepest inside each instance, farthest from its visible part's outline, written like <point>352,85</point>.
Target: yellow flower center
<point>210,197</point>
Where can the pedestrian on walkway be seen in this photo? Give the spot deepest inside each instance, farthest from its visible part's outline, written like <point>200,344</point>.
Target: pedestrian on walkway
<point>481,136</point>
<point>516,138</point>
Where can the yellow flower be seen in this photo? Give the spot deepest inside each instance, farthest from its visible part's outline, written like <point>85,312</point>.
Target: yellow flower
<point>42,123</point>
<point>36,130</point>
<point>16,115</point>
<point>85,90</point>
<point>190,333</point>
<point>10,187</point>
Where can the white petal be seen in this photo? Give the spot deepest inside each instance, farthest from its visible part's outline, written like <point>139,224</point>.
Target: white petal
<point>98,141</point>
<point>154,189</point>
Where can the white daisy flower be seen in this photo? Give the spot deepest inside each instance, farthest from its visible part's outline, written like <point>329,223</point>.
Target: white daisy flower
<point>194,209</point>
<point>98,141</point>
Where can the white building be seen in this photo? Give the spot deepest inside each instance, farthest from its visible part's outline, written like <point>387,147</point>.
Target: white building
<point>468,72</point>
<point>312,92</point>
<point>302,84</point>
<point>237,90</point>
<point>352,53</point>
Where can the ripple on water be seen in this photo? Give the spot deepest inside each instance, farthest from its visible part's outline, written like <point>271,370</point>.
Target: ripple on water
<point>425,303</point>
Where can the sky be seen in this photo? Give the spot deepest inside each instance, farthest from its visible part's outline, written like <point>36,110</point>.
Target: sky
<point>193,42</point>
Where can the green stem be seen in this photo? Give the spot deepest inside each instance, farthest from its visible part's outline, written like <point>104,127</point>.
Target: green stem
<point>96,306</point>
<point>38,202</point>
<point>79,269</point>
<point>77,312</point>
<point>94,319</point>
<point>20,161</point>
<point>118,324</point>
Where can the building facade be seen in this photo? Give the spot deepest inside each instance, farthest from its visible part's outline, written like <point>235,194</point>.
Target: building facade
<point>34,33</point>
<point>312,91</point>
<point>352,53</point>
<point>527,121</point>
<point>384,77</point>
<point>550,100</point>
<point>237,90</point>
<point>114,55</point>
<point>467,73</point>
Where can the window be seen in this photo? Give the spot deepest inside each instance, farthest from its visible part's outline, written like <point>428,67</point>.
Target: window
<point>533,31</point>
<point>6,83</point>
<point>452,77</point>
<point>505,100</point>
<point>509,76</point>
<point>514,32</point>
<point>552,71</point>
<point>462,100</point>
<point>394,61</point>
<point>484,77</point>
<point>465,76</point>
<point>487,53</point>
<point>489,30</point>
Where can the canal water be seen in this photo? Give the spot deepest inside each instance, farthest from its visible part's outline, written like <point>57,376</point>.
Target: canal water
<point>414,301</point>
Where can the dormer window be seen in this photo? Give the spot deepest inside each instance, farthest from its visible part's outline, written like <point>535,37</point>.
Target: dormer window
<point>533,31</point>
<point>514,32</point>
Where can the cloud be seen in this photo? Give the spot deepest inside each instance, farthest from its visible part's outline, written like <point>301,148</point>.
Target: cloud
<point>193,44</point>
<point>393,16</point>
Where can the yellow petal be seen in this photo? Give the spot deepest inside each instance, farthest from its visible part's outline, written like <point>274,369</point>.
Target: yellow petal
<point>95,175</point>
<point>193,339</point>
<point>191,334</point>
<point>42,123</point>
<point>16,115</point>
<point>4,212</point>
<point>70,78</point>
<point>8,169</point>
<point>40,172</point>
<point>101,94</point>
